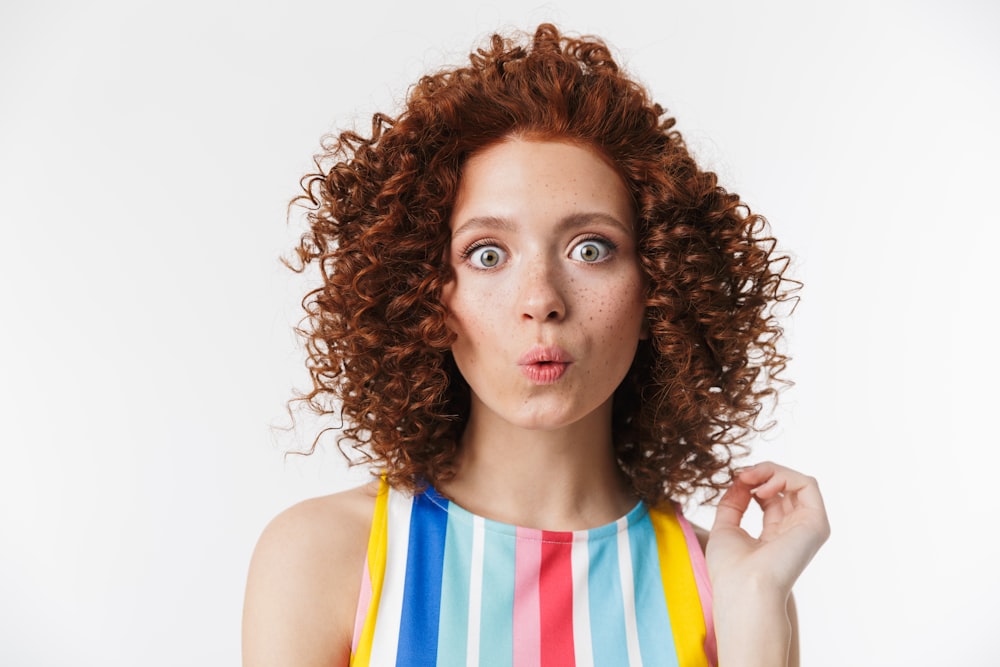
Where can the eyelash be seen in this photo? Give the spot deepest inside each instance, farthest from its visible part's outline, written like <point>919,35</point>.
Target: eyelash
<point>478,245</point>
<point>607,243</point>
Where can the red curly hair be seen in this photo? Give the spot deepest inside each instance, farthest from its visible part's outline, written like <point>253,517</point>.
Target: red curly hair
<point>379,208</point>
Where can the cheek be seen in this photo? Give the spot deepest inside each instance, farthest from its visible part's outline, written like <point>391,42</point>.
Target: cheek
<point>467,316</point>
<point>623,309</point>
<point>624,302</point>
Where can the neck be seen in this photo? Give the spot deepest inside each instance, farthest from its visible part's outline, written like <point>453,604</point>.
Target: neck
<point>562,479</point>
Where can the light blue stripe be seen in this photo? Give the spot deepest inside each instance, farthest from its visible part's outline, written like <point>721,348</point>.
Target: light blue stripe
<point>454,626</point>
<point>652,618</point>
<point>607,612</point>
<point>496,643</point>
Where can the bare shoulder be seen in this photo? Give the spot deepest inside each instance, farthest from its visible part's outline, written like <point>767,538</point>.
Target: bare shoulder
<point>304,581</point>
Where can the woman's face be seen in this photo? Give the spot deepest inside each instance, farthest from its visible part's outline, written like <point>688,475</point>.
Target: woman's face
<point>547,301</point>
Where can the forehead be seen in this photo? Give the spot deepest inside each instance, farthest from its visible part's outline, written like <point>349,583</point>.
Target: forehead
<point>519,177</point>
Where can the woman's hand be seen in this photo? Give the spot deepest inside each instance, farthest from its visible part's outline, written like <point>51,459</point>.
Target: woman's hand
<point>752,577</point>
<point>795,527</point>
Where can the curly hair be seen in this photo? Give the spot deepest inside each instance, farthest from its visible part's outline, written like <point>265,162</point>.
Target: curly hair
<point>378,209</point>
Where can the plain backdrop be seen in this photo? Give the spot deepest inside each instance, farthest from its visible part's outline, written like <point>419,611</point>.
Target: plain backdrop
<point>147,153</point>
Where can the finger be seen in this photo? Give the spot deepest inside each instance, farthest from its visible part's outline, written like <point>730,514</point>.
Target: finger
<point>732,506</point>
<point>774,509</point>
<point>782,493</point>
<point>772,488</point>
<point>769,479</point>
<point>770,503</point>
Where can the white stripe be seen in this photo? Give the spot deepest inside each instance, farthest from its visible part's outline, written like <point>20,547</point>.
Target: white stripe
<point>390,608</point>
<point>475,591</point>
<point>583,646</point>
<point>628,594</point>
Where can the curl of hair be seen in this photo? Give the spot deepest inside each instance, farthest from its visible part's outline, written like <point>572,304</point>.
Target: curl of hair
<point>378,209</point>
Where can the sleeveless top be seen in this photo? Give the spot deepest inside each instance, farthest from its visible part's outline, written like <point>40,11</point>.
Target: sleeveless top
<point>444,587</point>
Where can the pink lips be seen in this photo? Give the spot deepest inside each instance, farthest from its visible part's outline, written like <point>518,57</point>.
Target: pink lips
<point>544,364</point>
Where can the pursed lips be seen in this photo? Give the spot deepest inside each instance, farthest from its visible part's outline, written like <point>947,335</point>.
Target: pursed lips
<point>545,364</point>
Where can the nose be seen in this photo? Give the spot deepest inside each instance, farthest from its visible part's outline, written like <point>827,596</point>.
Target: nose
<point>543,294</point>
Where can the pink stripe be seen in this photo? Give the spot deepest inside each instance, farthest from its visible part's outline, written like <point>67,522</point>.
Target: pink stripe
<point>527,619</point>
<point>704,585</point>
<point>364,599</point>
<point>555,590</point>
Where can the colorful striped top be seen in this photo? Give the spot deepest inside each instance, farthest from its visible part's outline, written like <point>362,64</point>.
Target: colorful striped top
<point>445,587</point>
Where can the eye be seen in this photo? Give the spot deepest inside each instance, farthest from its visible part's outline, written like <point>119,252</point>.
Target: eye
<point>485,256</point>
<point>591,250</point>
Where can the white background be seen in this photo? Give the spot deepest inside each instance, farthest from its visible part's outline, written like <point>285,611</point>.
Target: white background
<point>147,152</point>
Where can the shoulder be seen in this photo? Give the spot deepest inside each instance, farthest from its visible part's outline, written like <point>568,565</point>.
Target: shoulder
<point>304,581</point>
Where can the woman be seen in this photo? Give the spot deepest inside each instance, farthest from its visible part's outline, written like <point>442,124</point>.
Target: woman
<point>541,323</point>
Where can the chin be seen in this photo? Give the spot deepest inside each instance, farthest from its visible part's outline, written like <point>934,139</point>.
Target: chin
<point>550,419</point>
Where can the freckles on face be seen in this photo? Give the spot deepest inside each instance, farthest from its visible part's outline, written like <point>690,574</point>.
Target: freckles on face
<point>547,297</point>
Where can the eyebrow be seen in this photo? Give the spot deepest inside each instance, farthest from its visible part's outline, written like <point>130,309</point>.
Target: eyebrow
<point>581,219</point>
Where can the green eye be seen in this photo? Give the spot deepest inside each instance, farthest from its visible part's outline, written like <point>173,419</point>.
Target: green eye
<point>591,251</point>
<point>486,257</point>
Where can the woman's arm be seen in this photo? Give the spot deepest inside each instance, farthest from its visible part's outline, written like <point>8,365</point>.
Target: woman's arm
<point>752,578</point>
<point>304,580</point>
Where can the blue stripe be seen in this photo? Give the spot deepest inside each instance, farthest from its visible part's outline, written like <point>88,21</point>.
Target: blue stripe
<point>455,585</point>
<point>607,612</point>
<point>418,624</point>
<point>652,618</point>
<point>496,636</point>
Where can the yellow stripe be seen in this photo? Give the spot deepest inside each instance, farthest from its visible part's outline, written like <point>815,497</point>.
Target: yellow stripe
<point>376,571</point>
<point>687,621</point>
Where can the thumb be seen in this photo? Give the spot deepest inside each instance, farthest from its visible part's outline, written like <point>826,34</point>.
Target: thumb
<point>732,506</point>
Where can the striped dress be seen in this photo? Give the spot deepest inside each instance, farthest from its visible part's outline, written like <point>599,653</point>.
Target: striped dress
<point>445,587</point>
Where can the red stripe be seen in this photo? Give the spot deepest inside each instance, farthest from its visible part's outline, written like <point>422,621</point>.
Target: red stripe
<point>555,584</point>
